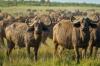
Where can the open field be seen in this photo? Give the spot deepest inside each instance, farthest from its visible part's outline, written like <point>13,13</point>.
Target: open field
<point>14,9</point>
<point>46,58</point>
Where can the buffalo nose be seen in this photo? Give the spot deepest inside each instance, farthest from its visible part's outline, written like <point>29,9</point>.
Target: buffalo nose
<point>85,29</point>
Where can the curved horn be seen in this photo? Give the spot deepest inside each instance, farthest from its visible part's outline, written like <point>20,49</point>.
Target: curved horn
<point>35,17</point>
<point>32,21</point>
<point>76,21</point>
<point>31,24</point>
<point>97,20</point>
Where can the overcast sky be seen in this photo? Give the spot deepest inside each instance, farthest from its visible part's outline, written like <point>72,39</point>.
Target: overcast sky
<point>86,1</point>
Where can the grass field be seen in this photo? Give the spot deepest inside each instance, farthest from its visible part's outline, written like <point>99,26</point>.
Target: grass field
<point>14,9</point>
<point>45,56</point>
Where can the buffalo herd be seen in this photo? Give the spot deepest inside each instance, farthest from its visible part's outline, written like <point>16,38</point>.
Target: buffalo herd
<point>68,29</point>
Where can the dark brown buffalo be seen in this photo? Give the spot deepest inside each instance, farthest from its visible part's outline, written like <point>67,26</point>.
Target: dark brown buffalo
<point>72,34</point>
<point>3,24</point>
<point>94,42</point>
<point>46,19</point>
<point>6,16</point>
<point>23,35</point>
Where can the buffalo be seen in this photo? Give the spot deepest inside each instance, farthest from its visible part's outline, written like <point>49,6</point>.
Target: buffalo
<point>94,42</point>
<point>73,34</point>
<point>3,24</point>
<point>25,35</point>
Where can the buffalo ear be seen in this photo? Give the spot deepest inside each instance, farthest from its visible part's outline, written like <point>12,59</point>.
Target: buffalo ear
<point>93,25</point>
<point>30,29</point>
<point>77,24</point>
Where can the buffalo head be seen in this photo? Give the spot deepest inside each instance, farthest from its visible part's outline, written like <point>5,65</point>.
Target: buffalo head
<point>85,23</point>
<point>38,26</point>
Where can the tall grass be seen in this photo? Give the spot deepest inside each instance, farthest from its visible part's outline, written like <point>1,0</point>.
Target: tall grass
<point>45,58</point>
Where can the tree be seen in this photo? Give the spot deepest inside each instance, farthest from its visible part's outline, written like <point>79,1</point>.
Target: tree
<point>48,1</point>
<point>43,1</point>
<point>22,1</point>
<point>15,2</point>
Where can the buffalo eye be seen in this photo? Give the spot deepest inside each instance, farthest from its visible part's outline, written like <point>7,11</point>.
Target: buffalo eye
<point>77,24</point>
<point>30,29</point>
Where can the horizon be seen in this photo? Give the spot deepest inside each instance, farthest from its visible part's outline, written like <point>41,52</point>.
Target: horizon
<point>76,1</point>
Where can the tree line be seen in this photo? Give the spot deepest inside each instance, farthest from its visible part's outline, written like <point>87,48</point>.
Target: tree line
<point>16,2</point>
<point>41,3</point>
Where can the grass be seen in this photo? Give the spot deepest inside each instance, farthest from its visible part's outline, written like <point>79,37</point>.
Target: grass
<point>45,56</point>
<point>15,9</point>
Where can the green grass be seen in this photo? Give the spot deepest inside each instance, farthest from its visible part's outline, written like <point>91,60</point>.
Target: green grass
<point>45,56</point>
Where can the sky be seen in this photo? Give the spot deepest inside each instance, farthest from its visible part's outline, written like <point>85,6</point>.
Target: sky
<point>79,1</point>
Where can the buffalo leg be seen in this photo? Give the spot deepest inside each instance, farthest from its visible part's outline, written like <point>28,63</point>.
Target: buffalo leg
<point>35,53</point>
<point>45,36</point>
<point>95,49</point>
<point>83,52</point>
<point>1,42</point>
<point>28,50</point>
<point>76,53</point>
<point>56,47</point>
<point>61,49</point>
<point>90,48</point>
<point>9,50</point>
